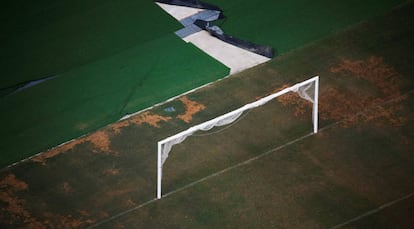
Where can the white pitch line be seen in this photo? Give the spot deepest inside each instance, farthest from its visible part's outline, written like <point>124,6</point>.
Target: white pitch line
<point>121,214</point>
<point>251,160</point>
<point>373,211</point>
<point>243,163</point>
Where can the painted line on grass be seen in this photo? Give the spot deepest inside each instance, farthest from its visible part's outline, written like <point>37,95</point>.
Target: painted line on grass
<point>373,211</point>
<point>327,127</point>
<point>238,165</point>
<point>121,119</point>
<point>202,179</point>
<point>122,213</point>
<point>173,98</point>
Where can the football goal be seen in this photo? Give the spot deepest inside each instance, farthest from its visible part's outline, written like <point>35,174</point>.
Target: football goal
<point>307,90</point>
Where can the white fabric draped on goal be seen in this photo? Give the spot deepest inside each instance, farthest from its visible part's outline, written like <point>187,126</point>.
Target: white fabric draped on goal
<point>307,90</point>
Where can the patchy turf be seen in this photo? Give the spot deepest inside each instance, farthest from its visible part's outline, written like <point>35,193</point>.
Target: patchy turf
<point>97,75</point>
<point>376,83</point>
<point>362,158</point>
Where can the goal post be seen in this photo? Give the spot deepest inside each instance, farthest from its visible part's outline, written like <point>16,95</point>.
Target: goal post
<point>308,89</point>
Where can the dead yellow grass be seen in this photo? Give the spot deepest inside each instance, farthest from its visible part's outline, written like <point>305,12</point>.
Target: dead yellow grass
<point>336,104</point>
<point>12,205</point>
<point>14,211</point>
<point>146,117</point>
<point>13,208</point>
<point>15,184</point>
<point>191,108</point>
<point>101,139</point>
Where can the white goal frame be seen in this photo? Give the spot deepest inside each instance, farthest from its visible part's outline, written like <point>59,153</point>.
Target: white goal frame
<point>211,123</point>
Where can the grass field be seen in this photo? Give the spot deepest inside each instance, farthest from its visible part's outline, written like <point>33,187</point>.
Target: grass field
<point>289,25</point>
<point>108,59</point>
<point>49,37</point>
<point>361,159</point>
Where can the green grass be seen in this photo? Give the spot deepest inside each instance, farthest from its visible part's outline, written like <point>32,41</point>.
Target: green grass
<point>51,37</point>
<point>395,216</point>
<point>289,25</point>
<point>91,96</point>
<point>318,182</point>
<point>138,63</point>
<point>111,59</point>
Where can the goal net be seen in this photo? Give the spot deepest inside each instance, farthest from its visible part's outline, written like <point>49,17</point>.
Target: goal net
<point>307,90</point>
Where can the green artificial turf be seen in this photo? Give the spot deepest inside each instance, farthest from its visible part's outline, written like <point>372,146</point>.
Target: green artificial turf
<point>287,25</point>
<point>93,95</point>
<point>111,58</point>
<point>125,58</point>
<point>108,179</point>
<point>51,37</point>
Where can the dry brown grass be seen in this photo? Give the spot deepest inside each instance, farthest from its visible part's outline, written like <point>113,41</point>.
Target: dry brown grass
<point>101,139</point>
<point>15,211</point>
<point>67,188</point>
<point>191,108</point>
<point>300,105</point>
<point>347,106</point>
<point>374,70</point>
<point>12,205</point>
<point>66,221</point>
<point>149,118</point>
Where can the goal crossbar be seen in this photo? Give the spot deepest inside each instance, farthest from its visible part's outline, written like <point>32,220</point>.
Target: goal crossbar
<point>211,123</point>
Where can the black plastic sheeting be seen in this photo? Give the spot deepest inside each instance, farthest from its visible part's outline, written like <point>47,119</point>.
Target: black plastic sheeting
<point>215,31</point>
<point>191,3</point>
<point>188,22</point>
<point>23,86</point>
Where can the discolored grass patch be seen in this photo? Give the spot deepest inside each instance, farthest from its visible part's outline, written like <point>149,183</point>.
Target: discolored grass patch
<point>100,141</point>
<point>316,182</point>
<point>371,84</point>
<point>191,108</point>
<point>149,118</point>
<point>15,211</point>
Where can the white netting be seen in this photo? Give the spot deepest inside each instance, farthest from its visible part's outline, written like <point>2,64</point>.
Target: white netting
<point>306,90</point>
<point>166,147</point>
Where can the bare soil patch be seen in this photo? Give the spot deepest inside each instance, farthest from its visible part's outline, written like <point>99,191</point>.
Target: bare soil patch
<point>101,139</point>
<point>149,118</point>
<point>191,108</point>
